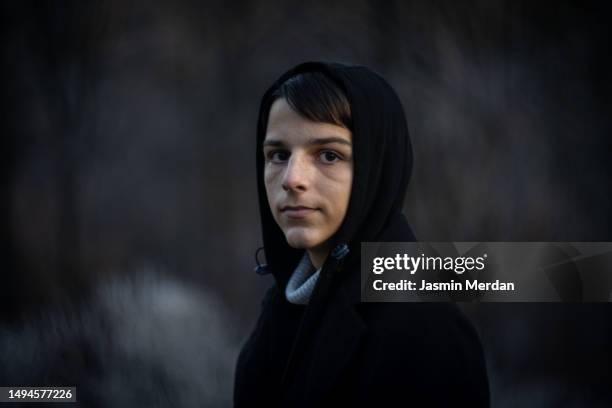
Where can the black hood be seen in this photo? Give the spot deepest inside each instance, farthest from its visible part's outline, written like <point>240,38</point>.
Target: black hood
<point>382,160</point>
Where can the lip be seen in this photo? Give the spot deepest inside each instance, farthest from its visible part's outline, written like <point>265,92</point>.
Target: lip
<point>297,211</point>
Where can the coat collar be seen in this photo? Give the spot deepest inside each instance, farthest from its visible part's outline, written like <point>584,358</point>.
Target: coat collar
<point>329,335</point>
<point>340,333</point>
<point>331,328</point>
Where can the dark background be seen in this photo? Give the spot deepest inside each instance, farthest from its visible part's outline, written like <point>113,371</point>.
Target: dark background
<point>128,145</point>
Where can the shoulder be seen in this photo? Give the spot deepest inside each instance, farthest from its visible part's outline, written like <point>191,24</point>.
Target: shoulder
<point>439,330</point>
<point>426,347</point>
<point>416,319</point>
<point>271,292</point>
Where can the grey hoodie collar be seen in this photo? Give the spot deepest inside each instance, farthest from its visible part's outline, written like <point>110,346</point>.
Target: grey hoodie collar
<point>302,282</point>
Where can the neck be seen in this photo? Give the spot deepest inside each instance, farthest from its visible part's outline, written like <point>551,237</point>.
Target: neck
<point>318,256</point>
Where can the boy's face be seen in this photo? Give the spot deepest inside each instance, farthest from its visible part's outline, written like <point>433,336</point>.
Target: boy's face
<point>308,176</point>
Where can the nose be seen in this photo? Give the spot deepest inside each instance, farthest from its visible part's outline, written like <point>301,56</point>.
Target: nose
<point>296,174</point>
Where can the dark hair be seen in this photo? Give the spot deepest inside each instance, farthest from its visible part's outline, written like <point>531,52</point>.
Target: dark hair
<point>316,97</point>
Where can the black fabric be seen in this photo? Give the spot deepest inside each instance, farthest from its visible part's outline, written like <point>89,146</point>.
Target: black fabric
<point>337,351</point>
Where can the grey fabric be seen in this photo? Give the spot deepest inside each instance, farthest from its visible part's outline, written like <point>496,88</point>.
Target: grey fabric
<point>302,282</point>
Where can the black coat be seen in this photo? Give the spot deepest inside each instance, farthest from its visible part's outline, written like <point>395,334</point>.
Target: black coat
<point>337,351</point>
<point>361,354</point>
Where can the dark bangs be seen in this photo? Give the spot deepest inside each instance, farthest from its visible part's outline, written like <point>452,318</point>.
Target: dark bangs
<point>317,98</point>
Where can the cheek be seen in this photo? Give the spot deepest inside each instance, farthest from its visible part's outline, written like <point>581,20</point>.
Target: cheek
<point>273,187</point>
<point>340,189</point>
<point>348,186</point>
<point>336,192</point>
<point>343,197</point>
<point>270,177</point>
<point>269,184</point>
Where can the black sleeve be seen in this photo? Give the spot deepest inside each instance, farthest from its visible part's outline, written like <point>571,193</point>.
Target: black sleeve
<point>252,364</point>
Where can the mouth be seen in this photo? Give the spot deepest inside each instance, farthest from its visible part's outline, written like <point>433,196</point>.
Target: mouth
<point>297,212</point>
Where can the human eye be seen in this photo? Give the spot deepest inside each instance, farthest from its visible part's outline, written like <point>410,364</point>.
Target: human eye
<point>329,156</point>
<point>277,155</point>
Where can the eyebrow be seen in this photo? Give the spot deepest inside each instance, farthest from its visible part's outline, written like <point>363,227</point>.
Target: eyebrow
<point>313,141</point>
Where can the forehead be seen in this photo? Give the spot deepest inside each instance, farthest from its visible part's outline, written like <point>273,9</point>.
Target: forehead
<point>286,124</point>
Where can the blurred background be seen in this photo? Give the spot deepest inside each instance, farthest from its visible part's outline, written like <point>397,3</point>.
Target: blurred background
<point>129,218</point>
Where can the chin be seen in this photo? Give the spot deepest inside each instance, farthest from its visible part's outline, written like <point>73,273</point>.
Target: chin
<point>302,239</point>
